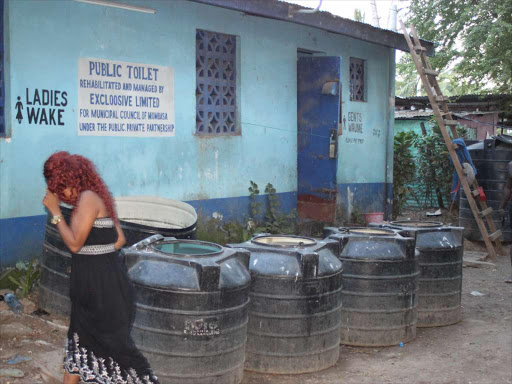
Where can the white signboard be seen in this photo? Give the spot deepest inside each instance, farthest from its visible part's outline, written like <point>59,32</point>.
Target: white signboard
<point>117,98</point>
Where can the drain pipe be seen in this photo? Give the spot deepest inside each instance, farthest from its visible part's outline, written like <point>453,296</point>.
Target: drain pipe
<point>388,171</point>
<point>292,11</point>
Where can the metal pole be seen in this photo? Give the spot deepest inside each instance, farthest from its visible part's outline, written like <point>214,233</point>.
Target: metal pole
<point>375,21</point>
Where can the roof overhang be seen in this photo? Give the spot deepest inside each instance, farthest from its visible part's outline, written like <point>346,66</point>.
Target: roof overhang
<point>420,115</point>
<point>279,10</point>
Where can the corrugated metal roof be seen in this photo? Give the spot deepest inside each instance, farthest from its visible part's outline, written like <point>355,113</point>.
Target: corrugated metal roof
<point>280,10</point>
<point>472,98</point>
<point>361,23</point>
<point>408,114</point>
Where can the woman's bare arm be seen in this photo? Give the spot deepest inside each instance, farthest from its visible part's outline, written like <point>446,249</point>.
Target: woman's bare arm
<point>121,239</point>
<point>87,211</point>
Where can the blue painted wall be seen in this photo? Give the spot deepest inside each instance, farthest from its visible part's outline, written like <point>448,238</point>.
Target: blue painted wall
<point>44,41</point>
<point>366,159</point>
<point>2,93</point>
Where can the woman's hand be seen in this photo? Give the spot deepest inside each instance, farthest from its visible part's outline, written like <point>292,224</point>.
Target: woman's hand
<point>51,201</point>
<point>121,239</point>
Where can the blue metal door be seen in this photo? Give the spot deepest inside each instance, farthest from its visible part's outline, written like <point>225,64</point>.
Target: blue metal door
<point>318,103</point>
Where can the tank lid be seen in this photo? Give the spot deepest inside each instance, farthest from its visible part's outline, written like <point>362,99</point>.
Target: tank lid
<point>417,224</point>
<point>187,248</point>
<point>155,212</point>
<point>283,241</point>
<point>506,139</point>
<point>473,147</point>
<point>369,231</point>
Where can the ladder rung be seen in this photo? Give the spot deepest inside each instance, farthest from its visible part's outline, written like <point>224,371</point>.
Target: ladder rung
<point>495,235</point>
<point>486,212</point>
<point>431,85</point>
<point>430,72</point>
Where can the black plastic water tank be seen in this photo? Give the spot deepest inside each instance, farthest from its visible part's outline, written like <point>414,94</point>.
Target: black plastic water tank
<point>144,216</point>
<point>491,158</point>
<point>55,270</point>
<point>441,250</point>
<point>140,217</point>
<point>294,315</point>
<point>380,279</point>
<point>191,309</point>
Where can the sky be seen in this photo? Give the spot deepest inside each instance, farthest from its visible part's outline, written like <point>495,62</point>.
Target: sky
<point>345,8</point>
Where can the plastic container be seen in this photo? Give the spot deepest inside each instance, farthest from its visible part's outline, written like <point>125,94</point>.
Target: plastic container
<point>380,279</point>
<point>295,307</point>
<point>191,301</point>
<point>374,217</point>
<point>491,158</point>
<point>13,303</point>
<point>139,216</point>
<point>441,250</point>
<point>144,216</point>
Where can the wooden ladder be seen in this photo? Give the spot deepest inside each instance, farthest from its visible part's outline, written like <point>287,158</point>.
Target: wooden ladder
<point>444,118</point>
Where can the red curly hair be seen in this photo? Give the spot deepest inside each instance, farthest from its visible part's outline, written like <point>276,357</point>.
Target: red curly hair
<point>63,170</point>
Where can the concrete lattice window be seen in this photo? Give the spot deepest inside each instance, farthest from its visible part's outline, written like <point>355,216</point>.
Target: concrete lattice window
<point>216,86</point>
<point>357,80</point>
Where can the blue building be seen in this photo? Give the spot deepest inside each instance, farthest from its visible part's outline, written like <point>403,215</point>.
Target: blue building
<point>190,100</point>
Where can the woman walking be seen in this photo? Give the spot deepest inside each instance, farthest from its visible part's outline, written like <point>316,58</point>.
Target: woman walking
<point>99,347</point>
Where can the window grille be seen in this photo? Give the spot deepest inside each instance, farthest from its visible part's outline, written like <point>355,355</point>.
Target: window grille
<point>357,80</point>
<point>216,107</point>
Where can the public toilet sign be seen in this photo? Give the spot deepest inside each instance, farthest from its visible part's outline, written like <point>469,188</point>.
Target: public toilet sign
<point>117,98</point>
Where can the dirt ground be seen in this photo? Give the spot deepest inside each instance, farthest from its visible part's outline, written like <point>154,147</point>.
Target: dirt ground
<point>477,350</point>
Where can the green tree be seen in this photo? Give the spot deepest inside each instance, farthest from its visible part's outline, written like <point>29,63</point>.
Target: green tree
<point>475,42</point>
<point>404,169</point>
<point>407,84</point>
<point>359,15</point>
<point>434,170</point>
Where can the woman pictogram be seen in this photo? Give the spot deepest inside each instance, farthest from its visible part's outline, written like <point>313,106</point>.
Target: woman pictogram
<point>19,107</point>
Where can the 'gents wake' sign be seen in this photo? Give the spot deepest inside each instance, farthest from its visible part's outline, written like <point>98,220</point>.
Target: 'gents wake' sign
<point>117,98</point>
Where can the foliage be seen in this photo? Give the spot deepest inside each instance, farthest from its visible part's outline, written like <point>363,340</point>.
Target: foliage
<point>272,221</point>
<point>254,205</point>
<point>276,222</point>
<point>433,174</point>
<point>5,283</point>
<point>212,230</point>
<point>218,232</point>
<point>27,278</point>
<point>434,169</point>
<point>403,170</point>
<point>237,232</point>
<point>359,15</point>
<point>357,217</point>
<point>475,42</point>
<point>408,82</point>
